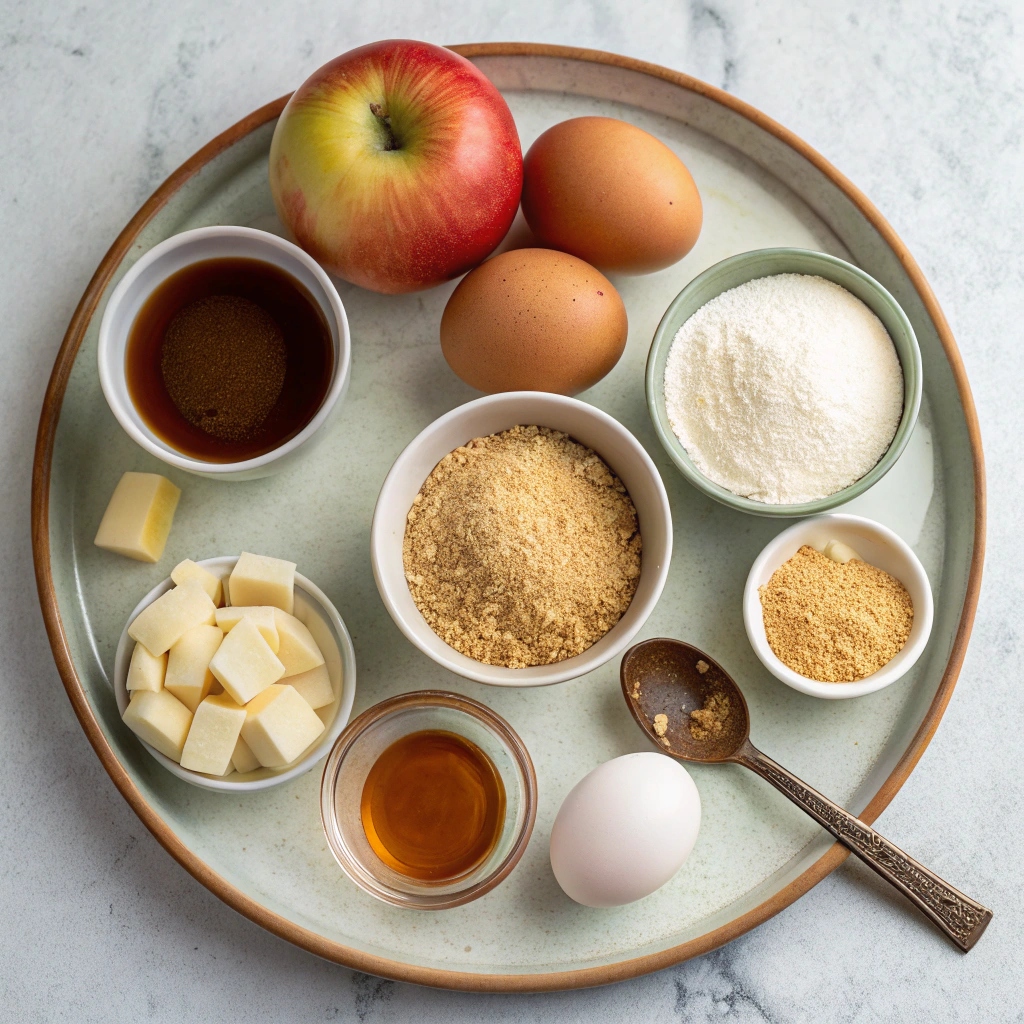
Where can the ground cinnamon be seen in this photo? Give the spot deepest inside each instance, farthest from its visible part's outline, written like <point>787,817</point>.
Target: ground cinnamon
<point>835,622</point>
<point>223,363</point>
<point>708,721</point>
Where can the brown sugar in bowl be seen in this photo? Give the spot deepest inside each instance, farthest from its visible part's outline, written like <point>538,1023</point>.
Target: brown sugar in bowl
<point>621,452</point>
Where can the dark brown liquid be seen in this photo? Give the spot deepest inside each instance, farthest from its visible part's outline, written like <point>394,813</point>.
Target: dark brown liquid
<point>309,360</point>
<point>433,806</point>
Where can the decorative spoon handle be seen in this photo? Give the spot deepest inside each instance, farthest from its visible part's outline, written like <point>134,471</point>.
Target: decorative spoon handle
<point>960,917</point>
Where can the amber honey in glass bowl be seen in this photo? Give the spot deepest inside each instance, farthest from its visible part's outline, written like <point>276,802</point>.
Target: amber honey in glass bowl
<point>433,805</point>
<point>428,800</point>
<point>209,313</point>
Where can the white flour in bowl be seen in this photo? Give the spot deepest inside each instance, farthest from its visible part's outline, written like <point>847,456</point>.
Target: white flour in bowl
<point>785,389</point>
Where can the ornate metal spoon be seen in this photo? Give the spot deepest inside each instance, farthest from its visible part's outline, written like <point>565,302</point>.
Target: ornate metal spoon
<point>665,681</point>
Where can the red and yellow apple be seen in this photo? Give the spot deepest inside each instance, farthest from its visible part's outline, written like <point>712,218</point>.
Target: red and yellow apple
<point>397,166</point>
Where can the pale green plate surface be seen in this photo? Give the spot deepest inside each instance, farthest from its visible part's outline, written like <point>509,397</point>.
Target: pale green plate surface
<point>753,842</point>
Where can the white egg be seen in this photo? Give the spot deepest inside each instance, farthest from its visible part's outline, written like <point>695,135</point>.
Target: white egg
<point>625,829</point>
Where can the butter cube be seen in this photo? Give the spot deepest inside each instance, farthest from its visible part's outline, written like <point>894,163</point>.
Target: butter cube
<point>188,665</point>
<point>244,664</point>
<point>189,572</point>
<point>146,672</point>
<point>314,686</point>
<point>139,516</point>
<point>261,615</point>
<point>160,719</point>
<point>243,758</point>
<point>212,738</point>
<point>298,651</point>
<point>259,579</point>
<point>170,615</point>
<point>279,725</point>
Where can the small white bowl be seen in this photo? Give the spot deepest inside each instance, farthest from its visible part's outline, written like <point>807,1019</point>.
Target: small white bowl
<point>312,607</point>
<point>878,546</point>
<point>167,258</point>
<point>591,427</point>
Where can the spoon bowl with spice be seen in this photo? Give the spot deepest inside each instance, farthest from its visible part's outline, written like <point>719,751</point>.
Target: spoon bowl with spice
<point>691,709</point>
<point>839,626</point>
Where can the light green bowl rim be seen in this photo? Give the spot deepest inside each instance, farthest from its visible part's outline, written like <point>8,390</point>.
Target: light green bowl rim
<point>748,266</point>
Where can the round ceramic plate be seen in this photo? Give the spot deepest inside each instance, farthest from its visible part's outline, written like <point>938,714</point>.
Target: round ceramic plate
<point>265,854</point>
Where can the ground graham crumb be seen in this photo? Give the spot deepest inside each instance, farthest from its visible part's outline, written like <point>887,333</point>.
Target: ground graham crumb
<point>835,622</point>
<point>708,721</point>
<point>522,548</point>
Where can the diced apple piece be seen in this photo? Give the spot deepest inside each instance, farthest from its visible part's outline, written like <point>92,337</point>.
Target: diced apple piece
<point>279,725</point>
<point>170,615</point>
<point>314,686</point>
<point>298,651</point>
<point>260,579</point>
<point>146,672</point>
<point>261,615</point>
<point>188,665</point>
<point>212,738</point>
<point>189,572</point>
<point>160,719</point>
<point>244,663</point>
<point>139,516</point>
<point>243,758</point>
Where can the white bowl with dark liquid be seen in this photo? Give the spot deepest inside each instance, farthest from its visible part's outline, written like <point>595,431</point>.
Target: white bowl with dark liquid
<point>175,254</point>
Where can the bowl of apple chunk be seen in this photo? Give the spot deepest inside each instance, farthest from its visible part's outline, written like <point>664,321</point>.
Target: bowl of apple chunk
<point>236,673</point>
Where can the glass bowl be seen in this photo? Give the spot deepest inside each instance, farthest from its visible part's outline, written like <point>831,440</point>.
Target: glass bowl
<point>355,753</point>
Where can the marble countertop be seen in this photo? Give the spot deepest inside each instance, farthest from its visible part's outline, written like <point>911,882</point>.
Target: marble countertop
<point>920,104</point>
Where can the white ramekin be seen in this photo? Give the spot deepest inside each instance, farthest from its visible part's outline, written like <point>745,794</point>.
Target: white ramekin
<point>312,607</point>
<point>878,546</point>
<point>172,255</point>
<point>591,427</point>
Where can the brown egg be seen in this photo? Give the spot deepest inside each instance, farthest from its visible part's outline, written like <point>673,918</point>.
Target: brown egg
<point>533,320</point>
<point>612,194</point>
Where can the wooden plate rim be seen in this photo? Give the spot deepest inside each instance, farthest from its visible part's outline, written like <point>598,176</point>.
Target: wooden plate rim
<point>317,944</point>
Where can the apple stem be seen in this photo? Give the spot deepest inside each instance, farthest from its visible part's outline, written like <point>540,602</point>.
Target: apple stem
<point>390,142</point>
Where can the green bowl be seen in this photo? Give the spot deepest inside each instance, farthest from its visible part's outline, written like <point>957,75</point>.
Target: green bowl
<point>745,267</point>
